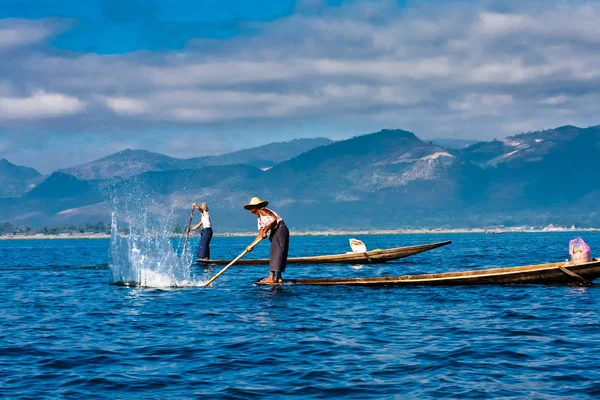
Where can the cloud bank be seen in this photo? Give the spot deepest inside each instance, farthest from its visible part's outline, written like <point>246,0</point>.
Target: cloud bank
<point>471,70</point>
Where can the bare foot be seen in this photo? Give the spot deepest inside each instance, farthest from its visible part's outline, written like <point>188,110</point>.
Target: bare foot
<point>279,280</point>
<point>268,279</point>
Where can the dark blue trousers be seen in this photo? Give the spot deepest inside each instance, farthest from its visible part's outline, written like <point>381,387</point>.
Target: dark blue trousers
<point>204,248</point>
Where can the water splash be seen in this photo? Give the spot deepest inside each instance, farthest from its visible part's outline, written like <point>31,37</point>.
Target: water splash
<point>143,255</point>
<point>146,258</point>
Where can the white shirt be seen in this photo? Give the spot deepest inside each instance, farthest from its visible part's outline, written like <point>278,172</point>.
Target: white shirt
<point>206,220</point>
<point>264,220</point>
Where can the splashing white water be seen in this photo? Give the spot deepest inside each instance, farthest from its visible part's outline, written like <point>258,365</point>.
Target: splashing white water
<point>146,258</point>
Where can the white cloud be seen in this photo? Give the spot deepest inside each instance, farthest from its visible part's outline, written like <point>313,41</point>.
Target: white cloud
<point>126,105</point>
<point>16,33</point>
<point>437,69</point>
<point>39,105</point>
<point>385,63</point>
<point>495,24</point>
<point>554,100</point>
<point>188,72</point>
<point>482,104</point>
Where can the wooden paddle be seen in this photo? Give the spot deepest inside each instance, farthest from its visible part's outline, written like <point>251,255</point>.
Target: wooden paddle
<point>187,232</point>
<point>256,241</point>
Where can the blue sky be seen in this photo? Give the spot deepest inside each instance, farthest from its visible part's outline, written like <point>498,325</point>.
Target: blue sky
<point>115,26</point>
<point>81,79</point>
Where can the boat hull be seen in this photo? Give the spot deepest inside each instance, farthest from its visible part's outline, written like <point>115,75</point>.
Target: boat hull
<point>369,257</point>
<point>530,274</point>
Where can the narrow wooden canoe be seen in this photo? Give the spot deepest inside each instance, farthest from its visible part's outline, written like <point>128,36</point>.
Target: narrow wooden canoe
<point>560,272</point>
<point>369,257</point>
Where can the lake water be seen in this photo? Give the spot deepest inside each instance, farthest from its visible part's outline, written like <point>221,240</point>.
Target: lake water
<point>65,332</point>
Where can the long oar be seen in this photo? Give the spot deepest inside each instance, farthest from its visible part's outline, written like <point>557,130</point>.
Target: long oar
<point>187,232</point>
<point>232,262</point>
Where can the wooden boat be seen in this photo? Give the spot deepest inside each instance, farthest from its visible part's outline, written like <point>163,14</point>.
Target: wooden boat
<point>560,272</point>
<point>369,257</point>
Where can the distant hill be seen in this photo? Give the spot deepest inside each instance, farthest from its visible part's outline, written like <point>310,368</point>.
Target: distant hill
<point>60,186</point>
<point>263,157</point>
<point>127,163</point>
<point>555,167</point>
<point>16,180</point>
<point>368,163</point>
<point>224,187</point>
<point>455,144</point>
<point>58,194</point>
<point>522,148</point>
<point>388,179</point>
<point>123,164</point>
<point>378,179</point>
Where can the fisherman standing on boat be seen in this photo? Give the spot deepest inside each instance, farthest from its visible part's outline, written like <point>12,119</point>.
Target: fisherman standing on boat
<point>271,224</point>
<point>206,233</point>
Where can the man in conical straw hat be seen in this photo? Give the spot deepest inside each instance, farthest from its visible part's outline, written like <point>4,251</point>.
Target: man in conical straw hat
<point>272,225</point>
<point>206,234</point>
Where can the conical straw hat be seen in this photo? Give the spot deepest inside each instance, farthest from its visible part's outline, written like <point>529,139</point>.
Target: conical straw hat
<point>256,202</point>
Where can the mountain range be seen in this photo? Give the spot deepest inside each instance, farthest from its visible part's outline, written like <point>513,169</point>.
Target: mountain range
<point>388,179</point>
<point>16,180</point>
<point>129,162</point>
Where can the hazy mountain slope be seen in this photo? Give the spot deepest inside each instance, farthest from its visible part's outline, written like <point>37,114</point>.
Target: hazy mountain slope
<point>64,198</point>
<point>547,169</point>
<point>369,163</point>
<point>59,192</point>
<point>454,144</point>
<point>127,163</point>
<point>16,180</point>
<point>388,179</point>
<point>124,164</point>
<point>225,188</point>
<point>262,156</point>
<point>523,148</point>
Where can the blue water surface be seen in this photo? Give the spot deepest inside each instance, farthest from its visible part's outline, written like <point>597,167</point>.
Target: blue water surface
<point>65,332</point>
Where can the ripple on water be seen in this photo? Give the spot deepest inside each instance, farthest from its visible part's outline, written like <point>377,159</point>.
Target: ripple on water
<point>66,333</point>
